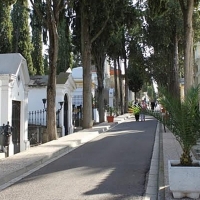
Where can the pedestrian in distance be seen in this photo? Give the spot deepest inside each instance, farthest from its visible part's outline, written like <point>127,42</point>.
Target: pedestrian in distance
<point>143,110</point>
<point>136,110</point>
<point>152,105</point>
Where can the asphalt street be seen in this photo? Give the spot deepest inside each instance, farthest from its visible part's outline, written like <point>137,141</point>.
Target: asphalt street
<point>113,166</point>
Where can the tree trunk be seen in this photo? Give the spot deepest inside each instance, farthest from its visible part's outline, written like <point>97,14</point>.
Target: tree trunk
<point>51,87</point>
<point>188,49</point>
<point>135,93</point>
<point>120,88</point>
<point>176,67</point>
<point>173,66</point>
<point>126,88</point>
<point>51,20</point>
<point>86,61</point>
<point>116,87</point>
<point>100,78</point>
<point>126,92</point>
<point>101,106</point>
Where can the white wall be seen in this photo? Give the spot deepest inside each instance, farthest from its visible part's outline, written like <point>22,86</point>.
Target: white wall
<point>36,94</point>
<point>35,97</point>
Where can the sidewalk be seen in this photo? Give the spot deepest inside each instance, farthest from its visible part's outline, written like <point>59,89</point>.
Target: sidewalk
<point>22,163</point>
<point>169,150</point>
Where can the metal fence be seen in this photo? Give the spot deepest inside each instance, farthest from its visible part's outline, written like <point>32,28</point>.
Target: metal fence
<point>37,117</point>
<point>37,123</point>
<point>77,115</point>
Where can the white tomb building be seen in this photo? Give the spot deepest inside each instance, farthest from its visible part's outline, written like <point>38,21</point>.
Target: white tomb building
<point>14,80</point>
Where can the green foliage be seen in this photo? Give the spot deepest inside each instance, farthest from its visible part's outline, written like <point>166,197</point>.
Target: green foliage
<point>21,33</point>
<point>182,119</point>
<point>161,33</point>
<point>151,93</point>
<point>9,2</point>
<point>6,27</point>
<point>111,111</point>
<point>135,109</point>
<point>157,7</point>
<point>64,52</point>
<point>37,57</point>
<point>135,79</point>
<point>135,71</point>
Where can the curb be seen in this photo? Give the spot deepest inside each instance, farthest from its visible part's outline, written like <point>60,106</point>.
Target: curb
<point>153,176</point>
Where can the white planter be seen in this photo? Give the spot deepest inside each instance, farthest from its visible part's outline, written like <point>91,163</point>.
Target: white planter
<point>184,181</point>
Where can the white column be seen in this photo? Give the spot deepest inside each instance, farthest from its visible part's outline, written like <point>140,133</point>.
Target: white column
<point>24,143</point>
<point>6,104</point>
<point>61,120</point>
<point>70,125</point>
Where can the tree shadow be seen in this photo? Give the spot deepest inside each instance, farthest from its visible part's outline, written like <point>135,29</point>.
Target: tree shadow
<point>118,159</point>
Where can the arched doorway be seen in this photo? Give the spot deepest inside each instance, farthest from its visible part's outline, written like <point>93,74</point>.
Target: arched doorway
<point>66,114</point>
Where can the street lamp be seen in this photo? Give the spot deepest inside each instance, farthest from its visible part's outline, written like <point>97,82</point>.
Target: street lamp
<point>44,102</point>
<point>44,117</point>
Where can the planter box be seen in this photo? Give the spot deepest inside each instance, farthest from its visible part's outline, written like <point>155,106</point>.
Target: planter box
<point>110,119</point>
<point>184,181</point>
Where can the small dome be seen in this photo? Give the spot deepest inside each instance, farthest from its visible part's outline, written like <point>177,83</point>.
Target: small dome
<point>77,73</point>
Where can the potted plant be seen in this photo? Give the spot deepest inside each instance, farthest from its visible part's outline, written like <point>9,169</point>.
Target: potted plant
<point>135,109</point>
<point>184,122</point>
<point>110,117</point>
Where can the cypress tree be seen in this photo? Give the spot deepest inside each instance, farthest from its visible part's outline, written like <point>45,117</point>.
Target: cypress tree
<point>6,26</point>
<point>36,24</point>
<point>21,33</point>
<point>64,52</point>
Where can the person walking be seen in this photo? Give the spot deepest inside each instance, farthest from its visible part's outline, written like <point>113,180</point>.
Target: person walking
<point>143,110</point>
<point>152,105</point>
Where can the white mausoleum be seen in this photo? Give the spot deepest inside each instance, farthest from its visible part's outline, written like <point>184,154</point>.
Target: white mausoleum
<point>65,86</point>
<point>14,80</point>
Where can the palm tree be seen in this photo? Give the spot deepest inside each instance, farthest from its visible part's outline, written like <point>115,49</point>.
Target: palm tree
<point>182,120</point>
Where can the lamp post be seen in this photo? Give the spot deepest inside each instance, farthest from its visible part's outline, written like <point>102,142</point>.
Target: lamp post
<point>58,112</point>
<point>44,102</point>
<point>44,116</point>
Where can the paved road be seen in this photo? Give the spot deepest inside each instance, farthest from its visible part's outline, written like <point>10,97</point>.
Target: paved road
<point>113,166</point>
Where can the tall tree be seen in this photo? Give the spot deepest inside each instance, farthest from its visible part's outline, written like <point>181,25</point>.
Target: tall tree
<point>49,15</point>
<point>127,25</point>
<point>87,13</point>
<point>135,79</point>
<point>86,42</point>
<point>106,18</point>
<point>21,33</point>
<point>187,7</point>
<point>136,68</point>
<point>6,26</point>
<point>36,25</point>
<point>64,51</point>
<point>167,46</point>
